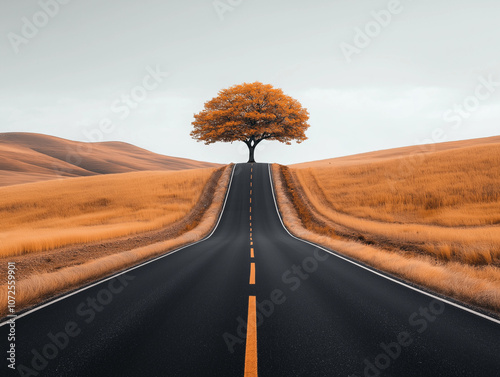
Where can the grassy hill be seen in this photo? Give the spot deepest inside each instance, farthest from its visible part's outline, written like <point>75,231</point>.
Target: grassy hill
<point>429,214</point>
<point>29,157</point>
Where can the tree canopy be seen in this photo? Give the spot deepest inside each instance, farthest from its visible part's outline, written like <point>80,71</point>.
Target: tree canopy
<point>251,113</point>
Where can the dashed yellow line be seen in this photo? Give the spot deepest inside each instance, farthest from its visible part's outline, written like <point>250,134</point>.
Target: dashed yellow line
<point>251,340</point>
<point>252,273</point>
<point>251,346</point>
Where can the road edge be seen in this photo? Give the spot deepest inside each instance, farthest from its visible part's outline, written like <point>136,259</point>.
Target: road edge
<point>104,279</point>
<point>370,269</point>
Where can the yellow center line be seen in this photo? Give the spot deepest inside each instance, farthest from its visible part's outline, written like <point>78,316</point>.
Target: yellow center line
<point>250,184</point>
<point>252,255</point>
<point>250,192</point>
<point>251,176</point>
<point>250,217</point>
<point>250,209</point>
<point>250,200</point>
<point>251,243</point>
<point>251,346</point>
<point>252,273</point>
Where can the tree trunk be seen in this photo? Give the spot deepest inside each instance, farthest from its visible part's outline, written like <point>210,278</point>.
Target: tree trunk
<point>251,149</point>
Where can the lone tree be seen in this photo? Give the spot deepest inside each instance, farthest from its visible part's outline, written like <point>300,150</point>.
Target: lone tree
<point>251,113</point>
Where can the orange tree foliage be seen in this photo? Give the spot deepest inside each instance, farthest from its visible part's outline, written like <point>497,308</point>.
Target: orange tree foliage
<point>251,113</point>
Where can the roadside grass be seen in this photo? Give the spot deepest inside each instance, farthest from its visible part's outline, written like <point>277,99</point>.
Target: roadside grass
<point>448,207</point>
<point>436,225</point>
<point>46,215</point>
<point>153,188</point>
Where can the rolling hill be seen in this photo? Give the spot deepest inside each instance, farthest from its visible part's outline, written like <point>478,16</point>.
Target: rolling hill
<point>397,153</point>
<point>428,214</point>
<point>30,157</point>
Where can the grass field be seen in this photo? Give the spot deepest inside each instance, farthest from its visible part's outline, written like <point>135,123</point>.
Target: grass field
<point>184,204</point>
<point>449,206</point>
<point>434,219</point>
<point>45,215</point>
<point>450,188</point>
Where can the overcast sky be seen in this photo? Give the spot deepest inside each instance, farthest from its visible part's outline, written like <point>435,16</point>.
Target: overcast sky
<point>373,74</point>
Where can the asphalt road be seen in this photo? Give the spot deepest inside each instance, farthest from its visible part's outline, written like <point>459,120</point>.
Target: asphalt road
<point>207,311</point>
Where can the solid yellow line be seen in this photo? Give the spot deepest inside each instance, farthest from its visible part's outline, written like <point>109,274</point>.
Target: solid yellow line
<point>252,273</point>
<point>251,346</point>
<point>252,255</point>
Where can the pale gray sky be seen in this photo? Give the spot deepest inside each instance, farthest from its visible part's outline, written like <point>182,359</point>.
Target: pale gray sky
<point>373,74</point>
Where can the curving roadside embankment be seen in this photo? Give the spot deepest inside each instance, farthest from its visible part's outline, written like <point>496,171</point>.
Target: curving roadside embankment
<point>477,286</point>
<point>44,275</point>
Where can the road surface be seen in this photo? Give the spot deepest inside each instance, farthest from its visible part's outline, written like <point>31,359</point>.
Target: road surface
<point>252,299</point>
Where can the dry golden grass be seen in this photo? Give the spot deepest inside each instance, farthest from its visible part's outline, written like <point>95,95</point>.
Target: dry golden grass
<point>154,188</point>
<point>45,215</point>
<point>479,286</point>
<point>447,204</point>
<point>407,155</point>
<point>450,188</point>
